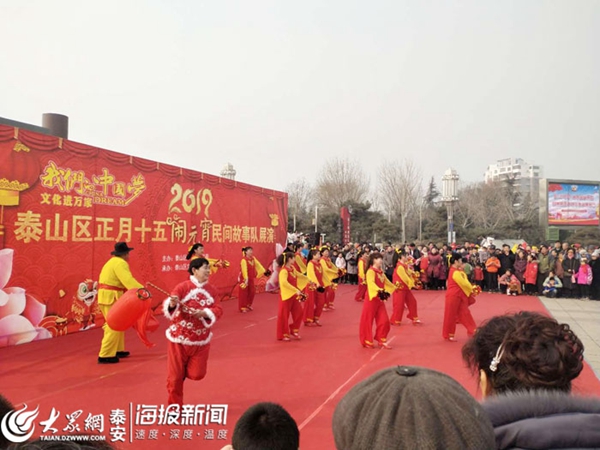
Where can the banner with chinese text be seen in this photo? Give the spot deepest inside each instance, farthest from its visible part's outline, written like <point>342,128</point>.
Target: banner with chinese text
<point>63,205</point>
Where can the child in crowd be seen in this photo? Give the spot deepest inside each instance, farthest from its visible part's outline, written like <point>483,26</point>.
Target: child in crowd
<point>492,265</point>
<point>509,283</point>
<point>584,278</point>
<point>550,288</point>
<point>531,273</point>
<point>478,275</point>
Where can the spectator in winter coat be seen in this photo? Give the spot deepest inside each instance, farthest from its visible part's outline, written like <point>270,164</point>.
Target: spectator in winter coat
<point>509,283</point>
<point>570,267</point>
<point>552,285</point>
<point>520,265</point>
<point>583,277</point>
<point>492,266</point>
<point>531,275</point>
<point>526,363</point>
<point>507,259</point>
<point>595,265</point>
<point>544,266</point>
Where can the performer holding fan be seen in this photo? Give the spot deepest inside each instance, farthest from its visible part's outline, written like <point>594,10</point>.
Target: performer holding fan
<point>459,296</point>
<point>291,284</point>
<point>251,269</point>
<point>403,295</point>
<point>379,289</point>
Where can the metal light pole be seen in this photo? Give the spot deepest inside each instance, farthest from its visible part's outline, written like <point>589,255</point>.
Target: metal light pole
<point>450,197</point>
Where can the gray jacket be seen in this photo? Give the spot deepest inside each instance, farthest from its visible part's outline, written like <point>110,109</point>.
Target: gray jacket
<point>544,420</point>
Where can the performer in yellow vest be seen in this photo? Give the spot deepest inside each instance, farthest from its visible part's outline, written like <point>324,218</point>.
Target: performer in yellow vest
<point>115,279</point>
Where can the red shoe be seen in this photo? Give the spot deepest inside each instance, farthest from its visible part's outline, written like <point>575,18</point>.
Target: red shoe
<point>417,322</point>
<point>285,339</point>
<point>396,324</point>
<point>385,346</point>
<point>317,323</point>
<point>244,310</point>
<point>452,339</point>
<point>250,308</point>
<point>296,336</point>
<point>331,307</point>
<point>368,345</point>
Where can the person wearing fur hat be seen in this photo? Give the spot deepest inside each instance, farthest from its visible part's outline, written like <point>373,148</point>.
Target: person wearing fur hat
<point>193,308</point>
<point>458,297</point>
<point>409,407</point>
<point>379,289</point>
<point>115,279</point>
<point>526,363</point>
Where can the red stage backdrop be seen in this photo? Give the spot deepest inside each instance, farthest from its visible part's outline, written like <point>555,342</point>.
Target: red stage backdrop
<point>63,205</point>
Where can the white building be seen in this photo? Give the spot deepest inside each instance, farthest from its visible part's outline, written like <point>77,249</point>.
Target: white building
<point>526,175</point>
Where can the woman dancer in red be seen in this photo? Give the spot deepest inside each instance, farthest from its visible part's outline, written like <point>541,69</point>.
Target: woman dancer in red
<point>403,295</point>
<point>316,294</point>
<point>193,308</point>
<point>363,262</point>
<point>251,269</point>
<point>379,289</point>
<point>458,297</point>
<point>330,273</point>
<point>291,284</point>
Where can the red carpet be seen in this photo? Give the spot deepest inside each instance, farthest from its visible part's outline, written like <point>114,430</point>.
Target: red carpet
<point>247,365</point>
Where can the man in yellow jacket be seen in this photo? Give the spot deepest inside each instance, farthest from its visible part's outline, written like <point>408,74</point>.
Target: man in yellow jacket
<point>115,279</point>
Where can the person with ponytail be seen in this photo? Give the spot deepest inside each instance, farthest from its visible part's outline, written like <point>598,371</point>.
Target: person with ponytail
<point>379,289</point>
<point>363,261</point>
<point>459,295</point>
<point>330,273</point>
<point>316,293</point>
<point>291,285</point>
<point>403,296</point>
<point>250,270</point>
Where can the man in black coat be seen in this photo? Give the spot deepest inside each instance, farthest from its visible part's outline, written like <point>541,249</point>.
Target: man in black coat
<point>507,259</point>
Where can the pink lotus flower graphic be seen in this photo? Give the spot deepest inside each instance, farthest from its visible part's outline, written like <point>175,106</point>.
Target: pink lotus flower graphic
<point>20,313</point>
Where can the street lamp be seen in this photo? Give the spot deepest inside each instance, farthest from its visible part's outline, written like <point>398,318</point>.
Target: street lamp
<point>450,197</point>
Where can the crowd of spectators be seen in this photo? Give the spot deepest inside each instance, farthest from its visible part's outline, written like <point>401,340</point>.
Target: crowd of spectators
<point>558,270</point>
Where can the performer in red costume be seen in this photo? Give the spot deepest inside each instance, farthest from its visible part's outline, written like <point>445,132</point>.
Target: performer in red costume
<point>403,295</point>
<point>251,269</point>
<point>193,309</point>
<point>291,284</point>
<point>363,262</point>
<point>330,273</point>
<point>458,295</point>
<point>378,290</point>
<point>316,294</point>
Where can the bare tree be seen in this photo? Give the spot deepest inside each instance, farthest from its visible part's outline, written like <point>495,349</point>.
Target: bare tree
<point>300,196</point>
<point>401,189</point>
<point>341,181</point>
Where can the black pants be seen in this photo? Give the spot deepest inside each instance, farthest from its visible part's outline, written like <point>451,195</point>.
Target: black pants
<point>584,290</point>
<point>541,277</point>
<point>491,281</point>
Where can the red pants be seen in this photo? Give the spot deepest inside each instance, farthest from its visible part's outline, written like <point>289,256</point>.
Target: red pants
<point>400,298</point>
<point>457,311</point>
<point>373,310</point>
<point>246,296</point>
<point>362,291</point>
<point>329,296</point>
<point>287,307</point>
<point>313,306</point>
<point>184,361</point>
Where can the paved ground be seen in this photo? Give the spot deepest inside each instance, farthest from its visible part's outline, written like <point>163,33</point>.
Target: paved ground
<point>583,316</point>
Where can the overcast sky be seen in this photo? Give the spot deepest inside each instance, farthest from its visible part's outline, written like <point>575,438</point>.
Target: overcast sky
<point>275,87</point>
